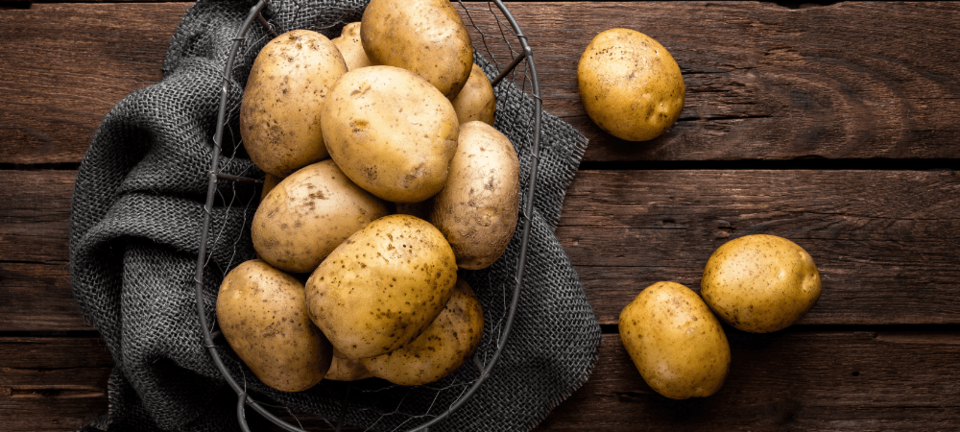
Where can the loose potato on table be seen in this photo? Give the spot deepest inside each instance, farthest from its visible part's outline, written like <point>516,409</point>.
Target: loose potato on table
<point>262,313</point>
<point>760,283</point>
<point>478,208</point>
<point>630,86</point>
<point>391,132</point>
<point>351,48</point>
<point>280,110</point>
<point>426,37</point>
<point>310,213</point>
<point>442,348</point>
<point>675,341</point>
<point>383,286</point>
<point>476,101</point>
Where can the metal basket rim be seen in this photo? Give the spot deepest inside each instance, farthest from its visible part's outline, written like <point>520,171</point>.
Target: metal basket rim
<point>526,212</point>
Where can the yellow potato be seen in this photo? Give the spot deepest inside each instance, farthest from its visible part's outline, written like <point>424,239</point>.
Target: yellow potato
<point>344,369</point>
<point>383,286</point>
<point>478,208</point>
<point>675,342</point>
<point>426,37</point>
<point>350,47</point>
<point>391,132</point>
<point>630,85</point>
<point>476,101</point>
<point>263,316</point>
<point>442,348</point>
<point>760,283</point>
<point>280,110</point>
<point>310,213</point>
<point>270,181</point>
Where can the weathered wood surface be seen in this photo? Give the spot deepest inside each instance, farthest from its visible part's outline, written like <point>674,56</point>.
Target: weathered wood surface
<point>783,107</point>
<point>793,380</point>
<point>764,82</point>
<point>785,381</point>
<point>885,242</point>
<point>53,383</point>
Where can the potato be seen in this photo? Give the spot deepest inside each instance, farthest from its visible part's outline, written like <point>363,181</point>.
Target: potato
<point>350,47</point>
<point>262,313</point>
<point>344,369</point>
<point>280,110</point>
<point>477,210</point>
<point>391,132</point>
<point>426,37</point>
<point>442,348</point>
<point>760,283</point>
<point>270,181</point>
<point>629,85</point>
<point>476,101</point>
<point>675,342</point>
<point>310,213</point>
<point>383,286</point>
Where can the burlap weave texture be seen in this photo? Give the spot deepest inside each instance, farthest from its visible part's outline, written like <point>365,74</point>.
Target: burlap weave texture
<point>135,234</point>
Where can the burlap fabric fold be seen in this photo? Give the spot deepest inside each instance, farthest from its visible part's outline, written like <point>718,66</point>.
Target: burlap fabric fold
<point>135,233</point>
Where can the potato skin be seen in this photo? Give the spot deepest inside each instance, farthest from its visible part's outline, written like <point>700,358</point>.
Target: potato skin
<point>344,369</point>
<point>351,48</point>
<point>262,313</point>
<point>675,341</point>
<point>270,181</point>
<point>476,101</point>
<point>760,283</point>
<point>426,37</point>
<point>442,348</point>
<point>391,132</point>
<point>478,208</point>
<point>280,110</point>
<point>310,213</point>
<point>630,86</point>
<point>383,286</point>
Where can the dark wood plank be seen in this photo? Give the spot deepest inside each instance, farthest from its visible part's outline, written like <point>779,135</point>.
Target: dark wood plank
<point>56,90</point>
<point>52,384</point>
<point>885,242</point>
<point>851,80</point>
<point>35,216</point>
<point>37,297</point>
<point>848,81</point>
<point>34,252</point>
<point>785,381</point>
<point>794,380</point>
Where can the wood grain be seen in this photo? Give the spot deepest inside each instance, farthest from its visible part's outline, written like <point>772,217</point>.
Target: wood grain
<point>785,381</point>
<point>35,216</point>
<point>793,380</point>
<point>56,90</point>
<point>37,297</point>
<point>851,80</point>
<point>42,389</point>
<point>885,241</point>
<point>764,82</point>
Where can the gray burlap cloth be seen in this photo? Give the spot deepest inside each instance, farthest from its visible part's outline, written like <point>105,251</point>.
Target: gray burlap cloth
<point>135,230</point>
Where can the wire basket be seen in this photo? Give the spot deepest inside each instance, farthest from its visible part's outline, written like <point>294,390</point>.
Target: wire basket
<point>502,51</point>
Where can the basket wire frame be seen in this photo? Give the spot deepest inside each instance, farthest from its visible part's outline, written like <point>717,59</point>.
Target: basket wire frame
<point>485,366</point>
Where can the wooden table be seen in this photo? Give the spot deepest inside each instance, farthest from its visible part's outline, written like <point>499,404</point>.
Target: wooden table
<point>835,126</point>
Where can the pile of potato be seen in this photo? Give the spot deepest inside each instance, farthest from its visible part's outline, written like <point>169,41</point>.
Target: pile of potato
<point>384,177</point>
